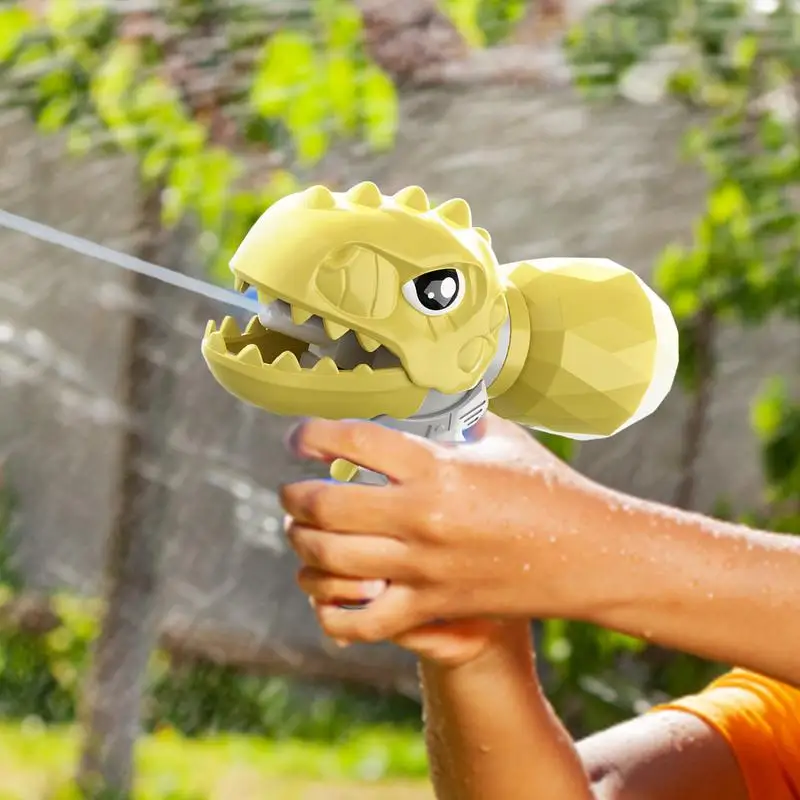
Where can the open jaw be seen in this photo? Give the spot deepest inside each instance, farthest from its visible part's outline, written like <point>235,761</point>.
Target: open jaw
<point>291,339</point>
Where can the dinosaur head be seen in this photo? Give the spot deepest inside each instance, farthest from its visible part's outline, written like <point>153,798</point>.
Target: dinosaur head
<point>367,303</point>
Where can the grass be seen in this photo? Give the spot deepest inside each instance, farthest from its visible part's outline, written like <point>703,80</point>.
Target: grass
<point>37,763</point>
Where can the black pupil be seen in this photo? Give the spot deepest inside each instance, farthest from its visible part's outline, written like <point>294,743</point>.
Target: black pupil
<point>437,290</point>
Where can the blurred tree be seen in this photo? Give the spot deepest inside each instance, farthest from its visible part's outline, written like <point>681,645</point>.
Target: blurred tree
<point>188,88</point>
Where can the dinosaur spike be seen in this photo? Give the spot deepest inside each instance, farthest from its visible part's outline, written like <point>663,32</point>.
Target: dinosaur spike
<point>484,234</point>
<point>365,194</point>
<point>455,212</point>
<point>318,197</point>
<point>413,197</point>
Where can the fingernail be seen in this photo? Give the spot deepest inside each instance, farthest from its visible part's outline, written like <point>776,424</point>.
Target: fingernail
<point>372,589</point>
<point>290,439</point>
<point>312,602</point>
<point>341,643</point>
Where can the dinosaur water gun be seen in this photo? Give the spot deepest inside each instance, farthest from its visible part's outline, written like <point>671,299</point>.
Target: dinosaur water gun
<point>384,308</point>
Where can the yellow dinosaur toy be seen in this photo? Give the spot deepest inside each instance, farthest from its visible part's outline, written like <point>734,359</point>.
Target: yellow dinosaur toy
<point>381,307</point>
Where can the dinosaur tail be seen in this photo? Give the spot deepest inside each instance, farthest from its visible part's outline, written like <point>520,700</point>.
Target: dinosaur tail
<point>592,348</point>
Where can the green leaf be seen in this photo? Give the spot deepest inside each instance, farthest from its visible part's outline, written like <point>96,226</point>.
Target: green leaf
<point>15,22</point>
<point>380,108</point>
<point>342,91</point>
<point>726,202</point>
<point>287,62</point>
<point>561,446</point>
<point>55,114</point>
<point>464,15</point>
<point>61,15</point>
<point>745,51</point>
<point>341,22</point>
<point>217,168</point>
<point>154,163</point>
<point>766,412</point>
<point>113,80</point>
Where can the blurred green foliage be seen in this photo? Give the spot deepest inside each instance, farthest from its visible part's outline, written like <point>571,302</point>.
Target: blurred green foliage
<point>724,64</point>
<point>41,677</point>
<point>190,105</point>
<point>37,762</point>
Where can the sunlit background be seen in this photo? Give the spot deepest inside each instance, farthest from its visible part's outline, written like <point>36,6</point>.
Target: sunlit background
<point>150,628</point>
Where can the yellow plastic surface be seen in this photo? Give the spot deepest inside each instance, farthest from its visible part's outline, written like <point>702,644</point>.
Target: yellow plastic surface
<point>592,348</point>
<point>600,350</point>
<point>344,257</point>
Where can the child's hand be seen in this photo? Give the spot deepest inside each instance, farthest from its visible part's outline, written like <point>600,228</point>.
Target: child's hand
<point>448,644</point>
<point>496,529</point>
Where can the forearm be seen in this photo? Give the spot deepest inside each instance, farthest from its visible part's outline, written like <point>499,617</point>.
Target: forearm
<point>491,732</point>
<point>691,583</point>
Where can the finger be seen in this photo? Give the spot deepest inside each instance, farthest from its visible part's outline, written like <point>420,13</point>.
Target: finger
<point>343,507</point>
<point>326,588</point>
<point>397,455</point>
<point>387,617</point>
<point>360,557</point>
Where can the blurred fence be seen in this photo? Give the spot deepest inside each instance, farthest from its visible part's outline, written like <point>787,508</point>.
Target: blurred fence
<point>544,172</point>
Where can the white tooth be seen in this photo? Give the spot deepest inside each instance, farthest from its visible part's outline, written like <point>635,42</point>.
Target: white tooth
<point>334,329</point>
<point>300,315</point>
<point>240,285</point>
<point>367,342</point>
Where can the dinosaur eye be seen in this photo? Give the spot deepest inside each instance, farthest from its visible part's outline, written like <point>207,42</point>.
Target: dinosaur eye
<point>436,292</point>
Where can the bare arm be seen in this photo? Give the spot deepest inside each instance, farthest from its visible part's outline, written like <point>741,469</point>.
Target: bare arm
<point>699,585</point>
<point>492,734</point>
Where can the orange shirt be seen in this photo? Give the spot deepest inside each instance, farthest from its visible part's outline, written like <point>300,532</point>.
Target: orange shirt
<point>760,720</point>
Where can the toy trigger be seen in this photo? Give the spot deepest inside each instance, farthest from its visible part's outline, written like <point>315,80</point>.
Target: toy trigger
<point>343,470</point>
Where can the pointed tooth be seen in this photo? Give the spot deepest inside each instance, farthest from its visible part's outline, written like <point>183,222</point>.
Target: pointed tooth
<point>363,369</point>
<point>326,366</point>
<point>254,326</point>
<point>240,285</point>
<point>367,342</point>
<point>287,362</point>
<point>216,342</point>
<point>229,328</point>
<point>300,315</point>
<point>211,326</point>
<point>334,329</point>
<point>250,355</point>
<point>265,298</point>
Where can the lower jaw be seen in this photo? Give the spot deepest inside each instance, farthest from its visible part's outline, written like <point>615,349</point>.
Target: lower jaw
<point>346,394</point>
